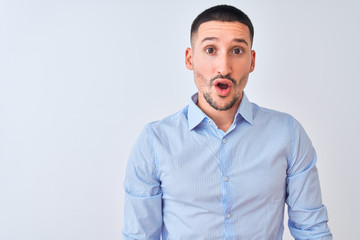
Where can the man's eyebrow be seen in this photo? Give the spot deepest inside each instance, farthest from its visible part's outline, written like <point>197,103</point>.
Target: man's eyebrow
<point>239,40</point>
<point>209,39</point>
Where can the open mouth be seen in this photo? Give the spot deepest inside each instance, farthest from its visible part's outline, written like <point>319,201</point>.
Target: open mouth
<point>222,86</point>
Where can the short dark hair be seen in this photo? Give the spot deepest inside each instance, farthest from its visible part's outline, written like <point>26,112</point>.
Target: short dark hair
<point>222,13</point>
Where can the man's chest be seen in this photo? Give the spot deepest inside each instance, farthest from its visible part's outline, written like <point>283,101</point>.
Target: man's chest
<point>209,169</point>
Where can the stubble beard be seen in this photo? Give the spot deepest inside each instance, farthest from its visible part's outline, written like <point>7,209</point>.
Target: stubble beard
<point>210,100</point>
<point>216,106</point>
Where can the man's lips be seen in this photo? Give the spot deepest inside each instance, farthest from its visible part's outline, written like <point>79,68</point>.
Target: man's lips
<point>222,86</point>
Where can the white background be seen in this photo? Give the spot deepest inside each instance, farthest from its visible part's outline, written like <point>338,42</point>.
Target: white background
<point>80,79</point>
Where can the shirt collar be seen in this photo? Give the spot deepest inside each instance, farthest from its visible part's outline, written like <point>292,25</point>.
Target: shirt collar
<point>195,115</point>
<point>245,110</point>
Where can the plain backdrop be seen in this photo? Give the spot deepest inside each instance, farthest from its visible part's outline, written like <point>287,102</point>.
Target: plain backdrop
<point>80,79</point>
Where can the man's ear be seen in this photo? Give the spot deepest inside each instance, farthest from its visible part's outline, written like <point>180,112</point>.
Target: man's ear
<point>188,59</point>
<point>252,64</point>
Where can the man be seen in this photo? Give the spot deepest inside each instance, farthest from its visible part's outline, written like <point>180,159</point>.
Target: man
<point>223,168</point>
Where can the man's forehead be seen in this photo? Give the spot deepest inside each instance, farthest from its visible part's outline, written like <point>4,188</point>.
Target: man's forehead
<point>215,30</point>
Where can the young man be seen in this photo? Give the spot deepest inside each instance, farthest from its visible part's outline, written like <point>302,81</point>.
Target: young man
<point>223,168</point>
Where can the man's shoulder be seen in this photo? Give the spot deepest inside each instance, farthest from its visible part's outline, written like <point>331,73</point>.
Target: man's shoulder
<point>262,112</point>
<point>275,118</point>
<point>176,120</point>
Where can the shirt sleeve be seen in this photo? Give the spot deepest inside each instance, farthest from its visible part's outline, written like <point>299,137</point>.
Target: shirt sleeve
<point>307,215</point>
<point>143,207</point>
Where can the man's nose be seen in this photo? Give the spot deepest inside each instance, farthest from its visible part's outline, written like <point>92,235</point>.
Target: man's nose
<point>223,64</point>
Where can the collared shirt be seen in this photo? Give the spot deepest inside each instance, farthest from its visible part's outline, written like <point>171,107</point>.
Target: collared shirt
<point>187,179</point>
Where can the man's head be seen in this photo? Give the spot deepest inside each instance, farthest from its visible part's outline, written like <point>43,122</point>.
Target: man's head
<point>222,13</point>
<point>221,57</point>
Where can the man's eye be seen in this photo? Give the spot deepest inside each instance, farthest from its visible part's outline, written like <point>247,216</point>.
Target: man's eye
<point>237,51</point>
<point>210,50</point>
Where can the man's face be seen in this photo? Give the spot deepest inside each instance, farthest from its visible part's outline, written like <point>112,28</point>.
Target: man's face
<point>221,58</point>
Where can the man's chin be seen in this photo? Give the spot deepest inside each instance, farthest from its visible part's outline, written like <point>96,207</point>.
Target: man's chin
<point>222,104</point>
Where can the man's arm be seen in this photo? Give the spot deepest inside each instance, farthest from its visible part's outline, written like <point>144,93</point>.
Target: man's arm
<point>143,210</point>
<point>307,215</point>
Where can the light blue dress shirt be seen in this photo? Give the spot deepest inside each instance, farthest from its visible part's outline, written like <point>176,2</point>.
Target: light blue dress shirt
<point>187,179</point>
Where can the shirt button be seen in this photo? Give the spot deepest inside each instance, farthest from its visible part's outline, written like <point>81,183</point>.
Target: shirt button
<point>228,215</point>
<point>209,121</point>
<point>224,140</point>
<point>226,178</point>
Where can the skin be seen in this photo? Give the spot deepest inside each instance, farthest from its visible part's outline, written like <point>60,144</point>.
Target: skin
<point>220,52</point>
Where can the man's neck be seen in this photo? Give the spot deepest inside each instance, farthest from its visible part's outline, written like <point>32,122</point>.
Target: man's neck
<point>222,119</point>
